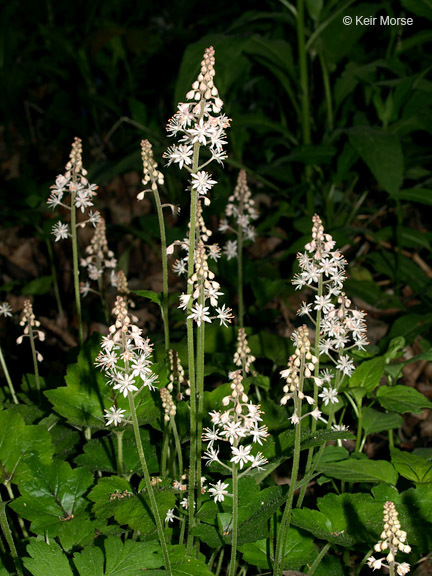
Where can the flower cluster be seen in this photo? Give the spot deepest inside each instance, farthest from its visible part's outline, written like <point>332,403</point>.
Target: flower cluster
<point>205,289</point>
<point>392,539</point>
<point>239,421</point>
<point>323,270</point>
<point>99,257</point>
<point>241,209</point>
<point>199,123</point>
<point>177,378</point>
<point>125,358</point>
<point>301,365</point>
<point>243,357</point>
<point>31,326</point>
<point>167,404</point>
<point>74,182</point>
<point>121,283</point>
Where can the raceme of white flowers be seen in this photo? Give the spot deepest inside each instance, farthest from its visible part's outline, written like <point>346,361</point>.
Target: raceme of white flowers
<point>199,122</point>
<point>98,257</point>
<point>341,327</point>
<point>239,213</point>
<point>301,365</point>
<point>393,539</point>
<point>31,326</point>
<point>126,359</point>
<point>240,421</point>
<point>206,290</point>
<point>75,183</point>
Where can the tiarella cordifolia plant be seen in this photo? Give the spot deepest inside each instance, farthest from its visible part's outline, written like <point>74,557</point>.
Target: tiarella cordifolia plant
<point>240,421</point>
<point>33,332</point>
<point>199,125</point>
<point>393,540</point>
<point>126,360</point>
<point>72,191</point>
<point>155,178</point>
<point>99,258</point>
<point>6,312</point>
<point>239,213</point>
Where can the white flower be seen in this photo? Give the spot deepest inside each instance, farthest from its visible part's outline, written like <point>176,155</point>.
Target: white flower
<point>184,503</point>
<point>345,365</point>
<point>211,455</point>
<point>60,231</point>
<point>202,182</point>
<point>114,416</point>
<point>200,314</point>
<point>218,492</point>
<point>241,455</point>
<point>403,568</point>
<point>5,309</point>
<point>259,433</point>
<point>224,315</point>
<point>329,395</point>
<point>230,249</point>
<point>170,515</point>
<point>258,461</point>
<point>125,384</point>
<point>184,301</point>
<point>374,563</point>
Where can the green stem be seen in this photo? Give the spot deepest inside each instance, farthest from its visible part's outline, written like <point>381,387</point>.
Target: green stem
<point>12,497</point>
<point>318,559</point>
<point>232,567</point>
<point>200,394</point>
<point>165,441</point>
<point>54,278</point>
<point>191,352</point>
<point>219,566</point>
<point>75,266</point>
<point>8,378</point>
<point>213,558</point>
<point>149,487</point>
<point>177,445</point>
<point>120,465</point>
<point>4,524</point>
<point>316,374</point>
<point>359,427</point>
<point>327,91</point>
<point>286,517</point>
<point>164,269</point>
<point>101,288</point>
<point>392,568</point>
<point>240,276</point>
<point>35,362</point>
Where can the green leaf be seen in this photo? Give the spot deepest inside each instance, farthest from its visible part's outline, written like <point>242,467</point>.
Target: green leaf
<point>422,8</point>
<point>20,442</point>
<point>375,421</point>
<point>368,374</point>
<point>382,153</point>
<point>37,287</point>
<point>395,348</point>
<point>114,496</point>
<point>101,454</point>
<point>360,470</point>
<point>411,466</point>
<point>344,519</point>
<point>402,399</point>
<point>51,495</point>
<point>47,559</point>
<point>150,295</point>
<point>127,558</point>
<point>419,195</point>
<point>299,550</point>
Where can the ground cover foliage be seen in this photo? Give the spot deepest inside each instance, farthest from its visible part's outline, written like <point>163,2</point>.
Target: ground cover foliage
<point>101,456</point>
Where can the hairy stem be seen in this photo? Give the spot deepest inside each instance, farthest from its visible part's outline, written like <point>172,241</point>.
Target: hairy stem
<point>232,568</point>
<point>164,269</point>
<point>75,266</point>
<point>35,362</point>
<point>8,378</point>
<point>4,524</point>
<point>149,487</point>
